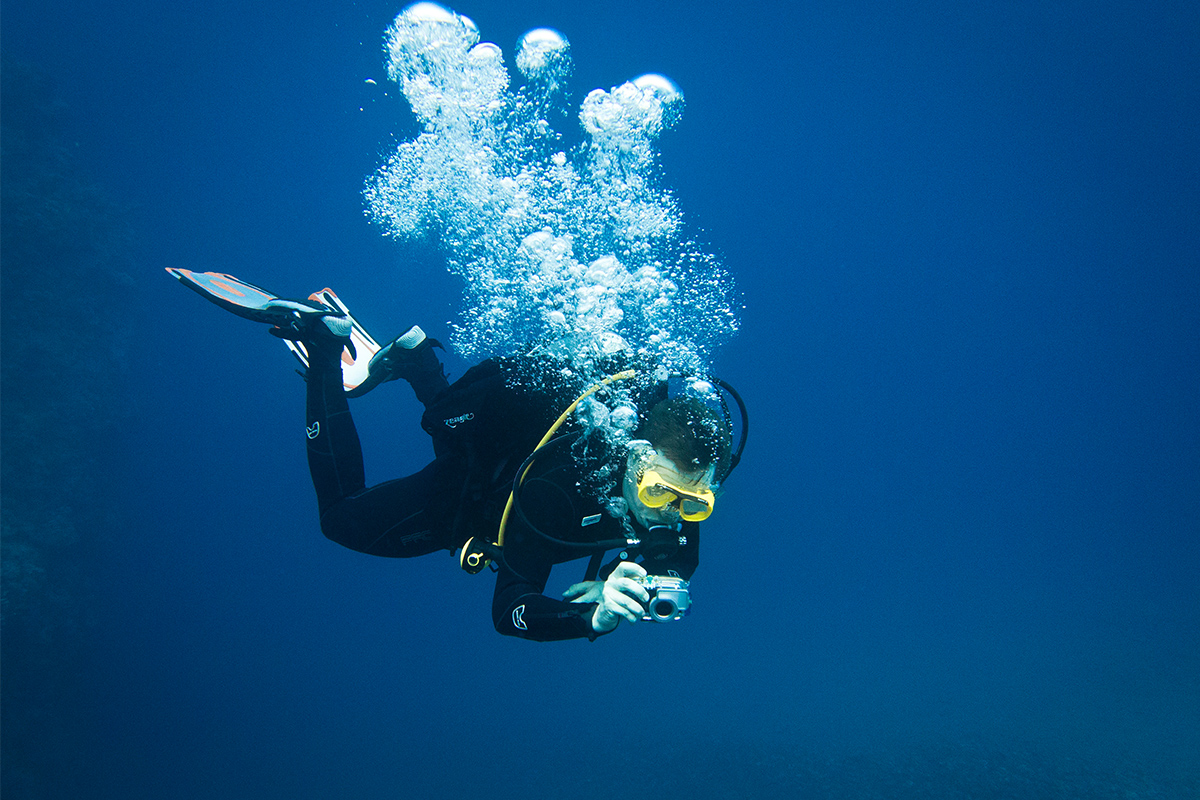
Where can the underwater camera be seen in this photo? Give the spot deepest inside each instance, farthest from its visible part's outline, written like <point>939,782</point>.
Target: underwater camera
<point>669,598</point>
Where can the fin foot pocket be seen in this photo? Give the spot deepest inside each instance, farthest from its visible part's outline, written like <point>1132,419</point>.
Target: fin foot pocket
<point>400,358</point>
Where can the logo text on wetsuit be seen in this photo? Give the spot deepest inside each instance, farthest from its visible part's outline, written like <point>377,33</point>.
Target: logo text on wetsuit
<point>313,430</point>
<point>453,421</point>
<point>415,537</point>
<point>519,623</point>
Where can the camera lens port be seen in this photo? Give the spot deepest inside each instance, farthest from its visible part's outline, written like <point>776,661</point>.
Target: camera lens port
<point>663,609</point>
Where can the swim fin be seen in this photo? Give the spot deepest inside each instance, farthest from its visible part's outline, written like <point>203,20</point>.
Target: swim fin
<point>254,303</point>
<point>234,295</point>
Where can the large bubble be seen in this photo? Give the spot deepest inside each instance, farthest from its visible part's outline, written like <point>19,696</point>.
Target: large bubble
<point>543,54</point>
<point>581,251</point>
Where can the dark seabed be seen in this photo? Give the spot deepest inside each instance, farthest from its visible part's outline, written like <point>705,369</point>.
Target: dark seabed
<point>959,560</point>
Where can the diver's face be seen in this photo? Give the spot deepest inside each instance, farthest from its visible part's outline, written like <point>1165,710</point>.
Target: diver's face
<point>700,481</point>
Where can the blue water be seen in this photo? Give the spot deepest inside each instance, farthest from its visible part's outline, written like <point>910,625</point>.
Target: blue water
<point>959,559</point>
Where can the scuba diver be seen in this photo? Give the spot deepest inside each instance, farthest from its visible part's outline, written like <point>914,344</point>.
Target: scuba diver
<point>507,486</point>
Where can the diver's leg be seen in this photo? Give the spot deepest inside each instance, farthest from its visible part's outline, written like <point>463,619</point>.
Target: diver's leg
<point>426,375</point>
<point>399,518</point>
<point>335,459</point>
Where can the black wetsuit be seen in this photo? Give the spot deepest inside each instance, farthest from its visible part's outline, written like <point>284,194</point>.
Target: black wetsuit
<point>462,492</point>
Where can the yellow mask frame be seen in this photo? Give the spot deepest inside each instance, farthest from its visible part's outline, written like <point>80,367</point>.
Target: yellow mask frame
<point>655,491</point>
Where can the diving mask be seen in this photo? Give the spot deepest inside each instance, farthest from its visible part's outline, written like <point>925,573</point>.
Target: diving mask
<point>655,491</point>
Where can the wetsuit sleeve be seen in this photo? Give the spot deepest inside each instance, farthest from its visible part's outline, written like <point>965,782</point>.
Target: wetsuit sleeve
<point>518,607</point>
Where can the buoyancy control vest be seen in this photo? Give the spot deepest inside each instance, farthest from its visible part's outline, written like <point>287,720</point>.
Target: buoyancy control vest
<point>493,417</point>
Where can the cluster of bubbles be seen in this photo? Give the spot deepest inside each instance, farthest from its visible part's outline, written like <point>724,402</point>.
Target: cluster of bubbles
<point>579,250</point>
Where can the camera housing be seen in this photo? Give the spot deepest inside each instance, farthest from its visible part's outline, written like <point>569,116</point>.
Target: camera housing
<point>669,598</point>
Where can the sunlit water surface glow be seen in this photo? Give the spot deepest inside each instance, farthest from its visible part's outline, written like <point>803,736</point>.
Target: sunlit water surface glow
<point>578,250</point>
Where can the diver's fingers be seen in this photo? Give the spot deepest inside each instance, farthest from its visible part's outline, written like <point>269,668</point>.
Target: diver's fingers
<point>584,592</point>
<point>633,589</point>
<point>630,609</point>
<point>621,603</point>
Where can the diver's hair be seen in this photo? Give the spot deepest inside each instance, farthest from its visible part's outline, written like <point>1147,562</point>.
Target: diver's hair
<point>689,433</point>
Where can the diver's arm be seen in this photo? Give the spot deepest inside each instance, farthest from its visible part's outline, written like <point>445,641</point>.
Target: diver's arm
<point>520,609</point>
<point>621,595</point>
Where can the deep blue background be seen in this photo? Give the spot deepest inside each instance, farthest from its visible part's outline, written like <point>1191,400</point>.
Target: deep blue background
<point>967,237</point>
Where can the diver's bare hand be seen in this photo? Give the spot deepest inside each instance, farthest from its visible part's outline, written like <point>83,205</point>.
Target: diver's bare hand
<point>621,596</point>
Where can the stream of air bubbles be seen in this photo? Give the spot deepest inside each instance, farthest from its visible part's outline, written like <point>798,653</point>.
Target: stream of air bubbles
<point>581,251</point>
